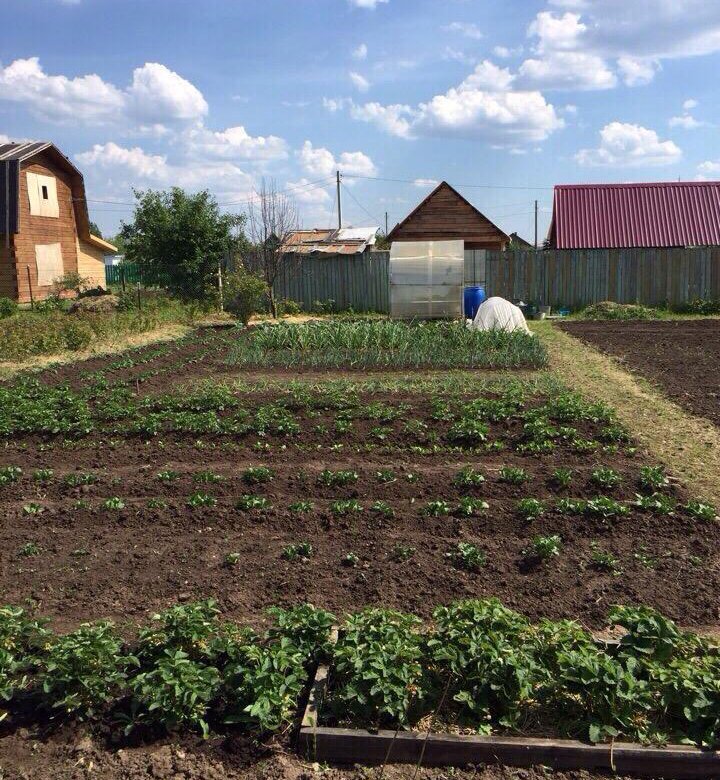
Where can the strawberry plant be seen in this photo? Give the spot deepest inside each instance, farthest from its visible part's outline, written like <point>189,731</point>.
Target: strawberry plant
<point>256,475</point>
<point>571,506</point>
<point>701,510</point>
<point>468,432</point>
<point>437,508</point>
<point>30,550</point>
<point>513,475</point>
<point>337,478</point>
<point>207,477</point>
<point>301,507</point>
<point>603,560</point>
<point>114,504</point>
<point>9,474</point>
<point>602,506</point>
<point>382,508</point>
<point>472,507</point>
<point>248,502</point>
<point>79,479</point>
<point>350,560</point>
<point>469,477</point>
<point>545,547</point>
<point>33,508</point>
<point>377,674</point>
<point>345,507</point>
<point>385,476</point>
<point>198,500</point>
<point>530,508</point>
<point>43,476</point>
<point>401,553</point>
<point>84,670</point>
<point>653,478</point>
<point>562,477</point>
<point>300,551</point>
<point>167,475</point>
<point>657,503</point>
<point>157,503</point>
<point>232,559</point>
<point>606,477</point>
<point>467,556</point>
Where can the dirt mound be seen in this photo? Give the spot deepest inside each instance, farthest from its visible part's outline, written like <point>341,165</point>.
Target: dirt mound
<point>96,304</point>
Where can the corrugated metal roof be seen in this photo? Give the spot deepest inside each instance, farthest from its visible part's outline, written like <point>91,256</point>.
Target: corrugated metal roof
<point>655,214</point>
<point>345,241</point>
<point>22,150</point>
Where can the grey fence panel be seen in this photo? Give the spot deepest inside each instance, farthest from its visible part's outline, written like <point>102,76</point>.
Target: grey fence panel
<point>358,282</point>
<point>576,278</point>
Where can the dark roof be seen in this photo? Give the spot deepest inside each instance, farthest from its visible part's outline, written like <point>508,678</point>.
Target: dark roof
<point>655,214</point>
<point>519,242</point>
<point>392,235</point>
<point>24,150</point>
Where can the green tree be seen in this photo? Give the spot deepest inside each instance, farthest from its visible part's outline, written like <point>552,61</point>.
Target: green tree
<point>95,230</point>
<point>179,240</point>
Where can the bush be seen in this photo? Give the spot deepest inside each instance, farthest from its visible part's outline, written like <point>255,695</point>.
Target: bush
<point>698,306</point>
<point>77,336</point>
<point>244,293</point>
<point>8,307</point>
<point>609,310</point>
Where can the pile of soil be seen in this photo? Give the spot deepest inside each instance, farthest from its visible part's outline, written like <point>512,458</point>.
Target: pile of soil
<point>680,356</point>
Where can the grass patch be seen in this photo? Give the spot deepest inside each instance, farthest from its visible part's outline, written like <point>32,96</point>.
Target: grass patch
<point>385,344</point>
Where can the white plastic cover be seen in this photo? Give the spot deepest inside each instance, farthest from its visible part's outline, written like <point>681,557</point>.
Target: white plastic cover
<point>498,314</point>
<point>426,278</point>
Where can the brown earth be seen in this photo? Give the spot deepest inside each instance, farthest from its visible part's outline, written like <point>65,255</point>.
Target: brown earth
<point>681,357</point>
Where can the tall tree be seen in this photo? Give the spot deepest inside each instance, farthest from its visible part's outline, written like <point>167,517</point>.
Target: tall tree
<point>272,217</point>
<point>180,240</point>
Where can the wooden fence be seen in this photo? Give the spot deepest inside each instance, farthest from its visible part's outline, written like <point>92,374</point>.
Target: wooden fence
<point>575,278</point>
<point>337,282</point>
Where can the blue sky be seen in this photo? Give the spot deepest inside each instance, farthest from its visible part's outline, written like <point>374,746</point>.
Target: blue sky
<point>502,99</point>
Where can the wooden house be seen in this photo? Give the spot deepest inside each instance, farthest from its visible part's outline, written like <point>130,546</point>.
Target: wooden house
<point>445,215</point>
<point>44,223</point>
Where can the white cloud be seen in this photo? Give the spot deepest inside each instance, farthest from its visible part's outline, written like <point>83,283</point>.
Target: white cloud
<point>321,163</point>
<point>394,119</point>
<point>426,183</point>
<point>303,191</point>
<point>156,95</point>
<point>686,121</point>
<point>570,109</point>
<point>503,52</point>
<point>629,145</point>
<point>566,70</point>
<point>689,104</point>
<point>637,71</point>
<point>134,160</point>
<point>556,33</point>
<point>456,55</point>
<point>361,52</point>
<point>488,76</point>
<point>371,4</point>
<point>359,82</point>
<point>468,29</point>
<point>236,143</point>
<point>711,167</point>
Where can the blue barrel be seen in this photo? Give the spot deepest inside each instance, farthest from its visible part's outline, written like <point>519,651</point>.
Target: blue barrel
<point>472,298</point>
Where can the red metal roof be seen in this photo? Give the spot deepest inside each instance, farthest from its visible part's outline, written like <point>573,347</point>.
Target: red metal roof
<point>656,214</point>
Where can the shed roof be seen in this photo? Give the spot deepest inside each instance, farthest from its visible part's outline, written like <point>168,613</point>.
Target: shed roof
<point>654,214</point>
<point>343,241</point>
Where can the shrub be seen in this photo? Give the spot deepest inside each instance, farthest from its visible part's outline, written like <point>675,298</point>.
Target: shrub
<point>609,310</point>
<point>244,292</point>
<point>699,306</point>
<point>77,336</point>
<point>8,307</point>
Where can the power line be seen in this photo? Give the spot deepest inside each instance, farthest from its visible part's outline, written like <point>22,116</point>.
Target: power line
<point>477,186</point>
<point>375,219</point>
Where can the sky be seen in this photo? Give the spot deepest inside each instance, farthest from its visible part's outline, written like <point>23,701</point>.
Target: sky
<point>501,99</point>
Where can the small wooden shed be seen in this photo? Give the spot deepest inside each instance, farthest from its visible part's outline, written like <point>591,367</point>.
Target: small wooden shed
<point>445,215</point>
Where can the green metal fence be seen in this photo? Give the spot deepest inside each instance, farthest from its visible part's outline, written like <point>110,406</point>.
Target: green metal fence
<point>124,272</point>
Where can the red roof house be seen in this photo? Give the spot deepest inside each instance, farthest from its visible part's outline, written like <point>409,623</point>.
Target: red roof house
<point>618,216</point>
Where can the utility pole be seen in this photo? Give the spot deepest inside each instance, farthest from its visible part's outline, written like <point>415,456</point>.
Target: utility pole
<point>536,215</point>
<point>338,200</point>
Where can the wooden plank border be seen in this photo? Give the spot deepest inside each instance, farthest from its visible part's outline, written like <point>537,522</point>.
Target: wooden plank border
<point>372,748</point>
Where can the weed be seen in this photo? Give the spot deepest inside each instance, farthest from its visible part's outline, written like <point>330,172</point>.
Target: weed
<point>256,475</point>
<point>513,475</point>
<point>644,558</point>
<point>300,551</point>
<point>467,556</point>
<point>29,550</point>
<point>232,559</point>
<point>469,477</point>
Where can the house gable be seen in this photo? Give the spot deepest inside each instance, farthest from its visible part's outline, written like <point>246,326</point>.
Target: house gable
<point>446,215</point>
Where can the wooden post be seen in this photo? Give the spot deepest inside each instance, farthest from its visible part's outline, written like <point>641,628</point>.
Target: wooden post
<point>139,301</point>
<point>29,277</point>
<point>220,286</point>
<point>122,276</point>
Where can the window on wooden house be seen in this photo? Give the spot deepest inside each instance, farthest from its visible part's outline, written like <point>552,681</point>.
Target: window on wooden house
<point>42,195</point>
